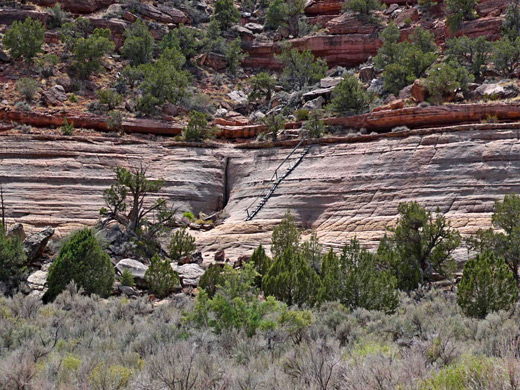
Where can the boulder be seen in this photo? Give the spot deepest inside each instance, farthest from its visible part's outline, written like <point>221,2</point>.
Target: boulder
<point>176,15</point>
<point>189,274</point>
<point>367,73</point>
<point>16,231</point>
<point>325,92</point>
<point>136,268</point>
<point>37,280</point>
<point>195,258</point>
<point>238,97</point>
<point>490,91</point>
<point>419,91</point>
<point>376,86</point>
<point>4,57</point>
<point>127,290</point>
<point>328,82</point>
<point>254,27</point>
<point>35,243</point>
<point>314,104</point>
<point>54,96</point>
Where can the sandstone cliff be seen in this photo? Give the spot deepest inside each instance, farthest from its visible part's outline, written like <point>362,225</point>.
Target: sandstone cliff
<point>341,190</point>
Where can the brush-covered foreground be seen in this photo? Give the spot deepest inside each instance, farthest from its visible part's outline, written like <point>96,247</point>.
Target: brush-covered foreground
<point>81,342</point>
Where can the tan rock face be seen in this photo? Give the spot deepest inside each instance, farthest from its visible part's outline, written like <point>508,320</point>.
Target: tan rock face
<point>341,190</point>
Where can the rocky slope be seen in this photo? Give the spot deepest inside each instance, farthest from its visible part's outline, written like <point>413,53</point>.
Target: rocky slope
<point>341,190</point>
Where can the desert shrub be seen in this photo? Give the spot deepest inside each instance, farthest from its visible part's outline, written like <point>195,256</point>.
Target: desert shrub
<point>114,120</point>
<point>473,53</point>
<point>349,96</point>
<point>126,278</point>
<point>110,98</point>
<point>421,243</point>
<point>261,262</point>
<point>291,279</point>
<point>504,239</point>
<point>82,260</point>
<point>197,128</point>
<point>163,81</point>
<point>46,64</point>
<point>487,285</point>
<point>160,278</point>
<point>262,86</point>
<point>458,11</point>
<point>28,88</point>
<point>315,125</point>
<point>71,32</point>
<point>506,55</point>
<point>12,261</point>
<point>511,24</point>
<point>57,17</point>
<point>139,44</point>
<point>301,114</point>
<point>446,78</point>
<point>67,128</point>
<point>364,8</point>
<point>286,235</point>
<point>226,13</point>
<point>89,51</point>
<point>212,279</point>
<point>234,55</point>
<point>404,62</point>
<point>354,279</point>
<point>24,39</point>
<point>188,40</point>
<point>274,123</point>
<point>301,68</point>
<point>181,244</point>
<point>312,252</point>
<point>276,15</point>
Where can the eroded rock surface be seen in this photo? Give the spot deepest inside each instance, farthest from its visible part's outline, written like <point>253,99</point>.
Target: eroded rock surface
<point>342,190</point>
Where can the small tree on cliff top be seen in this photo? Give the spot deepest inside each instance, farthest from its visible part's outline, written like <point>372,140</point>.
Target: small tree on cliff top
<point>126,203</point>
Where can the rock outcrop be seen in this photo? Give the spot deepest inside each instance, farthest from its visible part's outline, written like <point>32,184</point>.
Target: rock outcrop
<point>35,244</point>
<point>340,189</point>
<point>76,6</point>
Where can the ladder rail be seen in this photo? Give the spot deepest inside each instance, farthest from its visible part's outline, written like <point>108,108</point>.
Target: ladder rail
<point>276,180</point>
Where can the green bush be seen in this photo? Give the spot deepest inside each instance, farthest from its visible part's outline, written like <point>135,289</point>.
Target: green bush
<point>139,44</point>
<point>403,62</point>
<point>110,98</point>
<point>181,244</point>
<point>67,128</point>
<point>364,8</point>
<point>262,86</point>
<point>126,278</point>
<point>163,81</point>
<point>24,39</point>
<point>114,120</point>
<point>160,277</point>
<point>487,285</point>
<point>355,280</point>
<point>276,15</point>
<point>421,244</point>
<point>71,32</point>
<point>234,55</point>
<point>444,79</point>
<point>261,262</point>
<point>511,24</point>
<point>291,279</point>
<point>89,51</point>
<point>226,13</point>
<point>28,87</point>
<point>286,235</point>
<point>473,53</point>
<point>504,237</point>
<point>350,97</point>
<point>197,128</point>
<point>315,125</point>
<point>82,260</point>
<point>12,261</point>
<point>46,64</point>
<point>57,17</point>
<point>506,55</point>
<point>188,40</point>
<point>274,123</point>
<point>212,279</point>
<point>458,11</point>
<point>301,68</point>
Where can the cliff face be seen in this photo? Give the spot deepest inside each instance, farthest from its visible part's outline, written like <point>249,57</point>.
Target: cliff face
<point>341,190</point>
